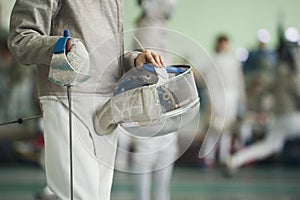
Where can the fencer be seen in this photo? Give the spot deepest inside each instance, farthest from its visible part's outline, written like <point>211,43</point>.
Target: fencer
<point>35,28</point>
<point>233,85</point>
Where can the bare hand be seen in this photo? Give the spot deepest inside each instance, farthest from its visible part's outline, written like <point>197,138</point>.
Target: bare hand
<point>151,57</point>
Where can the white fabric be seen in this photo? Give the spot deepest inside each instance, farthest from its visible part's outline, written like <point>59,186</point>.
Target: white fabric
<point>32,37</point>
<point>161,179</point>
<point>158,9</point>
<point>162,75</point>
<point>78,56</point>
<point>224,144</point>
<point>233,86</point>
<point>93,156</point>
<point>70,68</point>
<point>155,157</point>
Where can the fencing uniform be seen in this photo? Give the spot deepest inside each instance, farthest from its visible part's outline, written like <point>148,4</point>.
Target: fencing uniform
<point>233,86</point>
<point>35,28</point>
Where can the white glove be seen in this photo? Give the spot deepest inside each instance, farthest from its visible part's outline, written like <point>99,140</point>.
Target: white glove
<point>78,56</point>
<point>72,67</point>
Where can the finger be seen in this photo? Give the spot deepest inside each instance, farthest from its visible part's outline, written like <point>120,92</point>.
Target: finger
<point>157,59</point>
<point>151,59</point>
<point>162,61</point>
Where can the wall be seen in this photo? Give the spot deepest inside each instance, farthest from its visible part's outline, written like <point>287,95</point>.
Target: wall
<point>203,19</point>
<point>5,11</point>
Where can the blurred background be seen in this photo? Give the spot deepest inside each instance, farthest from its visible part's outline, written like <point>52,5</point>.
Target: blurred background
<point>254,45</point>
<point>203,19</point>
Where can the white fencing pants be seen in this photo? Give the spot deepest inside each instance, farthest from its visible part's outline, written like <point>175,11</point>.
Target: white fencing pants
<point>93,155</point>
<point>155,159</point>
<point>283,127</point>
<point>216,141</point>
<point>161,179</point>
<point>123,152</point>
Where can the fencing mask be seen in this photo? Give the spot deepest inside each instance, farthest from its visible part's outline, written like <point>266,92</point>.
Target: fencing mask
<point>150,101</point>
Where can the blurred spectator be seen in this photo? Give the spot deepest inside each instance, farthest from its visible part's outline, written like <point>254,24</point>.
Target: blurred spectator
<point>231,74</point>
<point>259,71</point>
<point>262,58</point>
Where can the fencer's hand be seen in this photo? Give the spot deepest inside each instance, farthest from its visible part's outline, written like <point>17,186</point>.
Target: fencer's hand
<point>151,57</point>
<point>77,55</point>
<point>71,68</point>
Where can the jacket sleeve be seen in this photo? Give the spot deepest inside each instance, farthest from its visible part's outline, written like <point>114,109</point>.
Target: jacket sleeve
<point>130,57</point>
<point>30,27</point>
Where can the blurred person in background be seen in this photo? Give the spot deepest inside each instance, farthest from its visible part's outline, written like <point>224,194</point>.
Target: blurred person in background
<point>231,73</point>
<point>285,89</point>
<point>153,157</point>
<point>259,71</point>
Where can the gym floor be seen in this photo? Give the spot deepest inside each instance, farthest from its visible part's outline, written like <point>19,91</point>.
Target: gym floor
<point>257,182</point>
